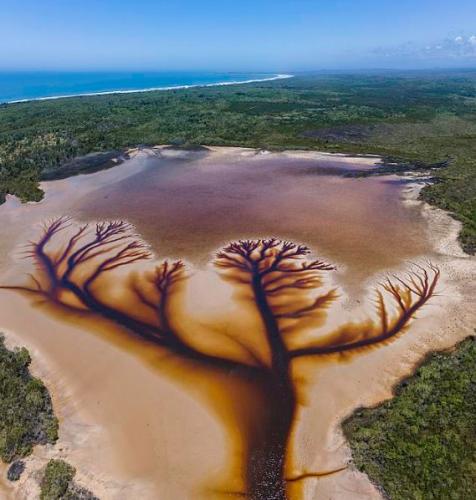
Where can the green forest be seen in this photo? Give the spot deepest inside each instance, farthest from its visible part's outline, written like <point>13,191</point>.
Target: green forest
<point>414,118</point>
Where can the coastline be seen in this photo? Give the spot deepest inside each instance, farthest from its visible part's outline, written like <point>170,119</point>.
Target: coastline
<point>153,89</point>
<point>335,453</point>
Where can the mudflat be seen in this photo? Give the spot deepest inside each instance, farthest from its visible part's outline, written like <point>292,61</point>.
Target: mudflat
<point>136,422</point>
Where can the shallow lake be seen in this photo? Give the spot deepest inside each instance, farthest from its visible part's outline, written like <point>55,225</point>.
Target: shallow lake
<point>145,432</point>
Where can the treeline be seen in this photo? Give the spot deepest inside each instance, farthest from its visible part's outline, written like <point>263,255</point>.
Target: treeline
<point>420,116</point>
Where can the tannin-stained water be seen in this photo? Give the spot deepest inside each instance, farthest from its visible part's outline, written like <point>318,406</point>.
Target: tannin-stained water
<point>189,208</point>
<point>161,428</point>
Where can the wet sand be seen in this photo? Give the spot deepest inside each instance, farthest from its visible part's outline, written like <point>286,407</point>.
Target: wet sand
<point>125,425</point>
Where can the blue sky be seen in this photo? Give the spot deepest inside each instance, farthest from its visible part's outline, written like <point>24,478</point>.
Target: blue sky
<point>236,35</point>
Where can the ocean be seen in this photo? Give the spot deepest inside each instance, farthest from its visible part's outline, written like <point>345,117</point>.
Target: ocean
<point>25,86</point>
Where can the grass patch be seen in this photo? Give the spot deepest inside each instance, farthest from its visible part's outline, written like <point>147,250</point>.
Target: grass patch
<point>422,443</point>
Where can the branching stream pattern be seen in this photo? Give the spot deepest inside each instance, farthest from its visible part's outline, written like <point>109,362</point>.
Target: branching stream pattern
<point>73,266</point>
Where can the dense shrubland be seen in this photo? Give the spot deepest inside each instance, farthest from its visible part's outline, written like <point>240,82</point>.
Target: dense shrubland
<point>422,444</point>
<point>26,412</point>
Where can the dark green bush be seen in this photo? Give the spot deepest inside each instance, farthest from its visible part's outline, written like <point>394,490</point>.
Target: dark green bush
<point>58,484</point>
<point>57,478</point>
<point>26,412</point>
<point>422,444</point>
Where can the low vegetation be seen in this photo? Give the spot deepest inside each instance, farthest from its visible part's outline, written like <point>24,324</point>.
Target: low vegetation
<point>413,117</point>
<point>26,413</point>
<point>422,444</point>
<point>58,483</point>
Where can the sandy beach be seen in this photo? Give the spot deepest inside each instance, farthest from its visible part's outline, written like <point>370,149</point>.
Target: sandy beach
<point>137,424</point>
<point>151,89</point>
